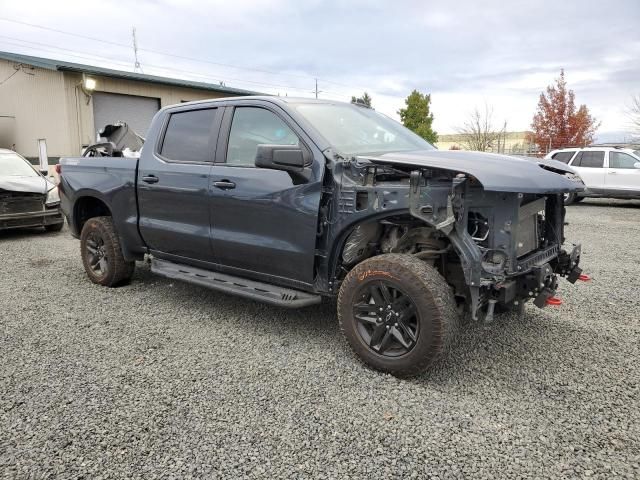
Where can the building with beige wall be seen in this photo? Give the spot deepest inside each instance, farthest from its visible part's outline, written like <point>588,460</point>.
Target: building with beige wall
<point>67,103</point>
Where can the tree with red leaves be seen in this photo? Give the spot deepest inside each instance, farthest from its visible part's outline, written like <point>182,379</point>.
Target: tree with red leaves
<point>558,123</point>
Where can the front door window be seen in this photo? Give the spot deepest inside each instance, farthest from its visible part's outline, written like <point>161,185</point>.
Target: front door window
<point>251,127</point>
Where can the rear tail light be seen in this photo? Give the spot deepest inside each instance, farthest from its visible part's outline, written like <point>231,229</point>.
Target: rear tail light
<point>554,301</point>
<point>58,168</point>
<point>584,277</point>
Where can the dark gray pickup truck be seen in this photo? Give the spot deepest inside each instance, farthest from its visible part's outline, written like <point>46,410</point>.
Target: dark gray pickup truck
<point>287,201</point>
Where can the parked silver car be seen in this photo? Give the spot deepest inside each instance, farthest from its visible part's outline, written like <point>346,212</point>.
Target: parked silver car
<point>27,197</point>
<point>606,171</point>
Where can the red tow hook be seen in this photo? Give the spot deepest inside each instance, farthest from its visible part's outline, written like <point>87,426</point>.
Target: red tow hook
<point>584,277</point>
<point>554,301</point>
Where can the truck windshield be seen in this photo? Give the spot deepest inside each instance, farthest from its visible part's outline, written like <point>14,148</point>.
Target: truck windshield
<point>353,130</point>
<point>13,165</point>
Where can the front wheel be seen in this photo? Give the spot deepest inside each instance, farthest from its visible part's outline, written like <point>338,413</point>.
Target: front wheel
<point>397,313</point>
<point>102,255</point>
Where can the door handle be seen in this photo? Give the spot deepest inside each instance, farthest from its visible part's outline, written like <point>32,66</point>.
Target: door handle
<point>150,179</point>
<point>613,173</point>
<point>224,184</point>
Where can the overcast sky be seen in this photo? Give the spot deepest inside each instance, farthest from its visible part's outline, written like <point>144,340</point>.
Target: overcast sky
<point>465,53</point>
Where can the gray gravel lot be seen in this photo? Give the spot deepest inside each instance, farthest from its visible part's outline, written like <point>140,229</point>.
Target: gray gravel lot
<point>165,380</point>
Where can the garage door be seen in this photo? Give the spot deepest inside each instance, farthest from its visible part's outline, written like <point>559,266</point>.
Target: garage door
<point>136,111</point>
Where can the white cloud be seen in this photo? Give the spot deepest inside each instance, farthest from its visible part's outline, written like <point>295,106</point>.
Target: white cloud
<point>464,53</point>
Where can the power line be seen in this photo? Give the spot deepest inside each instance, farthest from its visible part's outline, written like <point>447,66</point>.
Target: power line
<point>42,27</point>
<point>209,77</point>
<point>9,77</point>
<point>50,47</point>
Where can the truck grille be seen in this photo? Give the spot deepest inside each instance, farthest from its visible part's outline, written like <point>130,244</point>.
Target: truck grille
<point>538,258</point>
<point>20,202</point>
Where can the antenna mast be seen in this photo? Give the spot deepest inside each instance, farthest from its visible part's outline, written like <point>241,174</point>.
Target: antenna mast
<point>136,65</point>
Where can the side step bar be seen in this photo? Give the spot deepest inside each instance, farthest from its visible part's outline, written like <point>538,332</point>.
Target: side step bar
<point>262,292</point>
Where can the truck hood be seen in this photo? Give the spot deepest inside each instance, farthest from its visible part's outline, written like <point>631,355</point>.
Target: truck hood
<point>25,184</point>
<point>498,173</point>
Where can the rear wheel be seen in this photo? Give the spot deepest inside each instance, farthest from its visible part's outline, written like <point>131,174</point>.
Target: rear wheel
<point>397,313</point>
<point>102,255</point>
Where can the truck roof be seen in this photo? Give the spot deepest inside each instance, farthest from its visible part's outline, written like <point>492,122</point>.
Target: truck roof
<point>268,98</point>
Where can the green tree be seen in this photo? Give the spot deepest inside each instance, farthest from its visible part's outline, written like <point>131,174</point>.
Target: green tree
<point>364,99</point>
<point>417,115</point>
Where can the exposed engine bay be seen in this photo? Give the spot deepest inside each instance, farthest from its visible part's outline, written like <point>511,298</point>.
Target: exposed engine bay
<point>493,247</point>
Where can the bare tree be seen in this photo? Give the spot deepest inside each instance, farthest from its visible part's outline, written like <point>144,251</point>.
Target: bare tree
<point>478,132</point>
<point>634,114</point>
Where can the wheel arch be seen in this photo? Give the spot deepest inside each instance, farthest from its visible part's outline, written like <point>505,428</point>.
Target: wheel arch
<point>337,246</point>
<point>88,206</point>
<point>342,236</point>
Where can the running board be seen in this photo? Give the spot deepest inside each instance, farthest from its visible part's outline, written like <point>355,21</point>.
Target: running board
<point>262,292</point>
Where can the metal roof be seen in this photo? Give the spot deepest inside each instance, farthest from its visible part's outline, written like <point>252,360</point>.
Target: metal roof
<point>62,65</point>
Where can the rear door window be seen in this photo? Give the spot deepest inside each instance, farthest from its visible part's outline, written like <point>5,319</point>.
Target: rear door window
<point>621,160</point>
<point>189,136</point>
<point>563,157</point>
<point>589,159</point>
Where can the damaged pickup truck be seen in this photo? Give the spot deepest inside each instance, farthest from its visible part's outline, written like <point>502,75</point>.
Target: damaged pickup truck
<point>287,201</point>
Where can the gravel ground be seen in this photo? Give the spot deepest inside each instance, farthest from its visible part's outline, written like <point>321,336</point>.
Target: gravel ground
<point>160,379</point>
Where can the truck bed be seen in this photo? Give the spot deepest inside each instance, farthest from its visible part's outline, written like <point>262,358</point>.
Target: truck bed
<point>111,180</point>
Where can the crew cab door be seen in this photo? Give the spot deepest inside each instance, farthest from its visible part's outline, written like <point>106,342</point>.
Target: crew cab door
<point>173,183</point>
<point>590,166</point>
<point>264,224</point>
<point>622,175</point>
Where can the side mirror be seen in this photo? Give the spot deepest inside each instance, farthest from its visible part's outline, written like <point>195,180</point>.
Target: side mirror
<point>44,172</point>
<point>289,158</point>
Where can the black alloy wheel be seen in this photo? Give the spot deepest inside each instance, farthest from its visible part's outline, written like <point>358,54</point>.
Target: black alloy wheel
<point>96,253</point>
<point>102,254</point>
<point>397,313</point>
<point>387,319</point>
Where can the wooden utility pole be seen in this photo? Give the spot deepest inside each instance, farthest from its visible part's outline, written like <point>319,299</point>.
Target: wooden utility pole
<point>316,91</point>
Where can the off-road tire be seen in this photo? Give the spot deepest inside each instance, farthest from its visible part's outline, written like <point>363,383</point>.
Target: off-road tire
<point>54,227</point>
<point>118,271</point>
<point>433,299</point>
